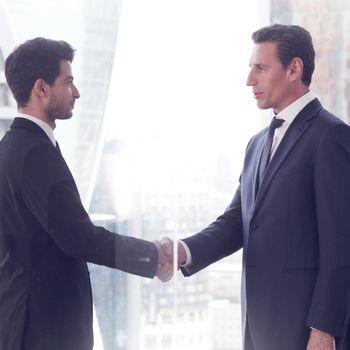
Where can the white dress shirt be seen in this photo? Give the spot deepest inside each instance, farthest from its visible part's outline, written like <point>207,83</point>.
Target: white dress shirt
<point>44,126</point>
<point>288,114</point>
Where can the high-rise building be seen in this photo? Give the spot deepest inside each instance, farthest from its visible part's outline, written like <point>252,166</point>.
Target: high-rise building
<point>91,27</point>
<point>329,23</point>
<point>179,314</point>
<point>110,293</point>
<point>6,102</point>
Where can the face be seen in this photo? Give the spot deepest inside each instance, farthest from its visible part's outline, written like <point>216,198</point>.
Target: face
<point>269,79</point>
<point>63,94</point>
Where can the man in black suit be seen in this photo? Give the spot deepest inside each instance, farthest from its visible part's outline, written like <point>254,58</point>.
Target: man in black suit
<point>290,213</point>
<point>46,236</point>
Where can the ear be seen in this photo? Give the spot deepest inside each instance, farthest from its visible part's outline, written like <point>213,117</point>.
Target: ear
<point>41,88</point>
<point>295,69</point>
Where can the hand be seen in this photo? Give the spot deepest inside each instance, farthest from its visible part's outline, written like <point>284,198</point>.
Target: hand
<point>166,258</point>
<point>320,341</point>
<point>165,269</point>
<point>168,249</point>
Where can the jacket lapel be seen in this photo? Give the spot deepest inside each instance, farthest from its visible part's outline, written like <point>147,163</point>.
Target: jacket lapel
<point>256,160</point>
<point>295,131</point>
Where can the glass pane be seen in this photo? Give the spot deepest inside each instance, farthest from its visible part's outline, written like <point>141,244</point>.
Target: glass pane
<point>179,117</point>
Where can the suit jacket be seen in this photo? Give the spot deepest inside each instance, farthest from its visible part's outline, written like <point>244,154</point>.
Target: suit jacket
<point>46,238</point>
<point>295,234</point>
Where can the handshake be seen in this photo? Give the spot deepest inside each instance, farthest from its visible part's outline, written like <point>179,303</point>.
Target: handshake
<point>167,256</point>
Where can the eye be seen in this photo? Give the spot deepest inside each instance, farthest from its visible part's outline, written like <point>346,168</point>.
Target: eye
<point>69,81</point>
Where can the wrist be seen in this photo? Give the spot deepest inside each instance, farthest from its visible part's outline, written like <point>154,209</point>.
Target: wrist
<point>182,257</point>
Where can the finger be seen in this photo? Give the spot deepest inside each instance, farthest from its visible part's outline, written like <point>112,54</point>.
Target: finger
<point>167,246</point>
<point>165,272</point>
<point>162,257</point>
<point>166,277</point>
<point>165,269</point>
<point>161,269</point>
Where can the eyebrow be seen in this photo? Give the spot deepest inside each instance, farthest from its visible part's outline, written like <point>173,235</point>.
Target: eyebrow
<point>260,65</point>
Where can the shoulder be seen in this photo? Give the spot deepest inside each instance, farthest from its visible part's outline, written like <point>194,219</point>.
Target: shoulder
<point>21,140</point>
<point>333,140</point>
<point>18,146</point>
<point>330,126</point>
<point>326,117</point>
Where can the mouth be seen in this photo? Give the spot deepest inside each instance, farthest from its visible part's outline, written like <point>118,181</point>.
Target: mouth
<point>257,94</point>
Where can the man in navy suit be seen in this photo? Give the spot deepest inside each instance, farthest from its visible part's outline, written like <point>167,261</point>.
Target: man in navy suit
<point>290,213</point>
<point>46,236</point>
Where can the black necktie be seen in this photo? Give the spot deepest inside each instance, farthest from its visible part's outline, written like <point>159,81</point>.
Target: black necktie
<point>266,154</point>
<point>58,148</point>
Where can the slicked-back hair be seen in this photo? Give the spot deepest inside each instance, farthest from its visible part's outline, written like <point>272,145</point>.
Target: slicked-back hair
<point>35,59</point>
<point>292,41</point>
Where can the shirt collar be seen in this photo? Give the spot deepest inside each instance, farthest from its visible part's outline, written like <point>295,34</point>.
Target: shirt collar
<point>291,111</point>
<point>44,126</point>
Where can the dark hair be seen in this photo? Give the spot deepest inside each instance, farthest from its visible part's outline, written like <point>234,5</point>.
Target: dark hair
<point>292,41</point>
<point>38,58</point>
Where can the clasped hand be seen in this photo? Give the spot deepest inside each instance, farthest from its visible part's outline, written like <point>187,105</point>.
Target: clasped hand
<point>165,248</point>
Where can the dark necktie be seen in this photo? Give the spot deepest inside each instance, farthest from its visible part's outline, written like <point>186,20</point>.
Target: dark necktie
<point>58,148</point>
<point>266,154</point>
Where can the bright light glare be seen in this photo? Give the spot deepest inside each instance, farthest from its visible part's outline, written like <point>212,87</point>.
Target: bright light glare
<point>178,98</point>
<point>178,92</point>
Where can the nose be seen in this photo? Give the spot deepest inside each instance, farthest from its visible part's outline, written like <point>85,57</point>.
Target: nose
<point>250,79</point>
<point>76,93</point>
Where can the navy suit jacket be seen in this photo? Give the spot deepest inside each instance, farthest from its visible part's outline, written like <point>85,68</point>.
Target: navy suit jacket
<point>295,234</point>
<point>46,238</point>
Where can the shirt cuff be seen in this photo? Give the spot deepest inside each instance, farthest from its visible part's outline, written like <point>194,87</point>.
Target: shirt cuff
<point>188,261</point>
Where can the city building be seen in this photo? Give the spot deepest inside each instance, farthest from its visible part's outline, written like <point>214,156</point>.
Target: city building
<point>328,23</point>
<point>91,28</point>
<point>203,311</point>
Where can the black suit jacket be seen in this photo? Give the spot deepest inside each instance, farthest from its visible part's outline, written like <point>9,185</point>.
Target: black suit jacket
<point>46,238</point>
<point>295,234</point>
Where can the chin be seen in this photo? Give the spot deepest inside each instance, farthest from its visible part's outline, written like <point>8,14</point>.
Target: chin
<point>68,115</point>
<point>263,106</point>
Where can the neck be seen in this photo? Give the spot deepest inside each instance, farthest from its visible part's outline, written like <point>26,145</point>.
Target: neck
<point>37,114</point>
<point>291,98</point>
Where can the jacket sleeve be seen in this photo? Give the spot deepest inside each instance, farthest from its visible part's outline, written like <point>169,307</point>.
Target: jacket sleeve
<point>329,309</point>
<point>50,193</point>
<point>220,239</point>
